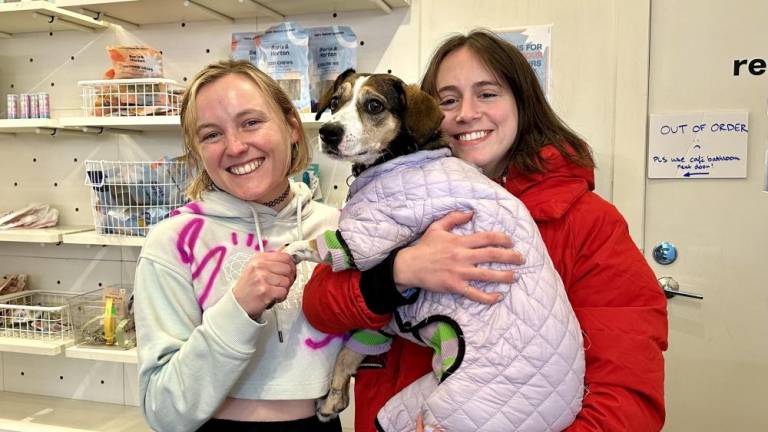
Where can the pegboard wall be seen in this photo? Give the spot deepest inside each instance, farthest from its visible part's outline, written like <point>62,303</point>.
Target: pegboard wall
<point>50,169</point>
<point>39,168</point>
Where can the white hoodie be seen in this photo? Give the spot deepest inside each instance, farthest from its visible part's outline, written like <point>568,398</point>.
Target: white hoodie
<point>197,346</point>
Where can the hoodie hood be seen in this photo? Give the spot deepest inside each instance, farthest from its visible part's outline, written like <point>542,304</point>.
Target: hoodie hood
<point>250,216</point>
<point>548,195</point>
<point>222,204</point>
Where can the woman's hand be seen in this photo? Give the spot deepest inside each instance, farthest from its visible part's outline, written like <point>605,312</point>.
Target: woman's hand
<point>264,281</point>
<point>445,262</point>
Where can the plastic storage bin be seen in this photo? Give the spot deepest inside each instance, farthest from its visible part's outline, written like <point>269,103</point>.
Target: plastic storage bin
<point>131,97</point>
<point>104,317</point>
<point>127,198</point>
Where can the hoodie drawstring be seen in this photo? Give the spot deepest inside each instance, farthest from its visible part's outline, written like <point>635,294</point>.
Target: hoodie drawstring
<point>301,275</point>
<point>261,249</point>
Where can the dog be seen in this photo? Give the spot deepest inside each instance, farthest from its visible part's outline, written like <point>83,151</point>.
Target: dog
<point>495,367</point>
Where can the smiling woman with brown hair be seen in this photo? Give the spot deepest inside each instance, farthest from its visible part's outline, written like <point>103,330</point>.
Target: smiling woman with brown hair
<point>497,118</point>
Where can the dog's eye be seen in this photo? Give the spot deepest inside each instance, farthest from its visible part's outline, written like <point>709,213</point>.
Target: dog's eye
<point>334,103</point>
<point>373,106</point>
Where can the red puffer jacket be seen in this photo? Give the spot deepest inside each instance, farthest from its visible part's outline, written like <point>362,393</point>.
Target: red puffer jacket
<point>621,309</point>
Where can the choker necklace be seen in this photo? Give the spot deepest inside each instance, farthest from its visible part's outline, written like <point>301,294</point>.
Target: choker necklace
<point>279,199</point>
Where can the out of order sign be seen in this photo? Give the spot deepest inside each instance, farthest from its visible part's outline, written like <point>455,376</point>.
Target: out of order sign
<point>698,145</point>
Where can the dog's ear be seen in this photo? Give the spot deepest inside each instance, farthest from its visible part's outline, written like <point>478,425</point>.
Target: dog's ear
<point>325,99</point>
<point>422,114</point>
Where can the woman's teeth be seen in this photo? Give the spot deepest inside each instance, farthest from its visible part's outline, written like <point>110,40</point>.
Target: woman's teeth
<point>246,168</point>
<point>470,136</point>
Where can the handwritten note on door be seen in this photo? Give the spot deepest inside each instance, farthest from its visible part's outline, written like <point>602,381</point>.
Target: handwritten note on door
<point>698,145</point>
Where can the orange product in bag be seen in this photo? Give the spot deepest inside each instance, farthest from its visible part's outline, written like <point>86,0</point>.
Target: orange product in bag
<point>136,62</point>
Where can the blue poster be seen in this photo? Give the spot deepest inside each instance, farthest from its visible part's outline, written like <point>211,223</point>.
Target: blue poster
<point>535,44</point>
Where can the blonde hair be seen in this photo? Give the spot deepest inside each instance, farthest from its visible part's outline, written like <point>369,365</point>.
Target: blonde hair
<point>276,97</point>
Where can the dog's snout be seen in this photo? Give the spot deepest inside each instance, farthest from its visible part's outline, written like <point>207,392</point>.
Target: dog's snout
<point>331,134</point>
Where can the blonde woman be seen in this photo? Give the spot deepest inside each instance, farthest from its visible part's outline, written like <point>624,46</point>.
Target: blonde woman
<point>223,343</point>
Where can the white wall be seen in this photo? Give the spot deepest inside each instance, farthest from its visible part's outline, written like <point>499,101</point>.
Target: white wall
<point>599,87</point>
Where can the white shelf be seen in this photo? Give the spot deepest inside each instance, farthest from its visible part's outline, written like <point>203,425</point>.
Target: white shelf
<point>117,124</point>
<point>92,238</point>
<point>102,354</point>
<point>42,16</point>
<point>140,12</point>
<point>27,125</point>
<point>32,346</point>
<point>40,235</point>
<point>33,413</point>
<point>82,235</point>
<point>309,122</point>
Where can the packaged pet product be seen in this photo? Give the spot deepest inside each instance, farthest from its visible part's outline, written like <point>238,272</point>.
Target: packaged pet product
<point>332,50</point>
<point>162,183</point>
<point>12,283</point>
<point>243,43</point>
<point>32,216</point>
<point>282,53</point>
<point>135,62</point>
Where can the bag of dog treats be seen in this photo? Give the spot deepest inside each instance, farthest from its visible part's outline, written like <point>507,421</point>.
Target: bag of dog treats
<point>135,62</point>
<point>332,50</point>
<point>243,43</point>
<point>282,53</point>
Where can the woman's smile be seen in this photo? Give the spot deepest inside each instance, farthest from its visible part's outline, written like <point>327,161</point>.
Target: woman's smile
<point>472,137</point>
<point>246,168</point>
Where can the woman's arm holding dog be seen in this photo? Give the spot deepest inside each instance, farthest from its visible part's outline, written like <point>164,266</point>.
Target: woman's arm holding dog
<point>340,302</point>
<point>445,262</point>
<point>333,302</point>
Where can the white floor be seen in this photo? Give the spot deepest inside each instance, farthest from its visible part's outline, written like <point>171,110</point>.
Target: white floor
<point>27,413</point>
<point>21,412</point>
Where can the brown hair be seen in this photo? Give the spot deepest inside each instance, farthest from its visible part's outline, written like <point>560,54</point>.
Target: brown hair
<point>300,152</point>
<point>538,125</point>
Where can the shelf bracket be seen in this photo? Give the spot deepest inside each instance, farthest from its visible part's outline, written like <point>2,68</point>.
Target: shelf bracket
<point>210,11</point>
<point>50,18</point>
<point>268,10</point>
<point>122,131</point>
<point>101,16</point>
<point>382,5</point>
<point>46,131</point>
<point>77,26</point>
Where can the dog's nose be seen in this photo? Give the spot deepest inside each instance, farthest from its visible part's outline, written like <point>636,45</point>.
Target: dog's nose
<point>331,134</point>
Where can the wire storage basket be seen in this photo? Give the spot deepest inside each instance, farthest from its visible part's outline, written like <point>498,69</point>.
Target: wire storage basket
<point>35,314</point>
<point>127,198</point>
<point>131,97</point>
<point>104,317</point>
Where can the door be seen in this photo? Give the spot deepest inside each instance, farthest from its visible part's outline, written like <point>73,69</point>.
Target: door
<point>717,362</point>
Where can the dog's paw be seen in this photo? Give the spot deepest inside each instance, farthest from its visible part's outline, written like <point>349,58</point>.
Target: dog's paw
<point>330,407</point>
<point>302,251</point>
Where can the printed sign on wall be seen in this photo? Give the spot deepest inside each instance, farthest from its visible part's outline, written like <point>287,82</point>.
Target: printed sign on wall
<point>765,188</point>
<point>535,44</point>
<point>698,145</point>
